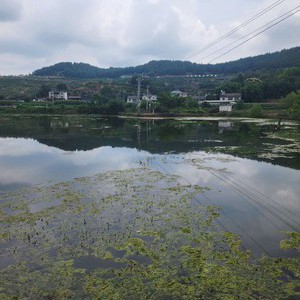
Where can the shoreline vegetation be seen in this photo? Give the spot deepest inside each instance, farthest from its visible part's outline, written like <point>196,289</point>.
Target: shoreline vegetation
<point>269,86</point>
<point>249,110</point>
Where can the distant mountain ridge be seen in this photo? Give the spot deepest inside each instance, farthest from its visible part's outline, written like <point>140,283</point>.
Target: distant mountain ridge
<point>270,61</point>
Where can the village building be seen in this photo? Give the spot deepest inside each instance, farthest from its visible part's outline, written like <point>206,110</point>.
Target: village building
<point>230,96</point>
<point>132,99</point>
<point>149,97</point>
<point>74,97</point>
<point>225,98</point>
<point>178,93</point>
<point>225,107</point>
<point>58,95</point>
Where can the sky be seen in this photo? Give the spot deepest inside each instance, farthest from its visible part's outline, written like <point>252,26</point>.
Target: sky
<point>121,33</point>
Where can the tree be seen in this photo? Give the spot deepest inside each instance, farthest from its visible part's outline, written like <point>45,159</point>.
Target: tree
<point>256,111</point>
<point>239,105</point>
<point>106,94</point>
<point>44,91</point>
<point>165,100</point>
<point>61,87</point>
<point>191,103</point>
<point>289,100</point>
<point>253,91</point>
<point>292,103</point>
<point>114,107</point>
<point>230,87</point>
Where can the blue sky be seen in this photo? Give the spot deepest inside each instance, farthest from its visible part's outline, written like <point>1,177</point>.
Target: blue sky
<point>106,33</point>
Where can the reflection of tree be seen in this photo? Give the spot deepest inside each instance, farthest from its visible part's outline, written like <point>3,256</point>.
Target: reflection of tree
<point>243,134</point>
<point>159,136</point>
<point>169,132</point>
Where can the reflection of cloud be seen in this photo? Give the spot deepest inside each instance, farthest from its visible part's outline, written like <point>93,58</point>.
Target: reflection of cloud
<point>15,175</point>
<point>288,197</point>
<point>246,170</point>
<point>103,155</point>
<point>22,147</point>
<point>191,174</point>
<point>26,161</point>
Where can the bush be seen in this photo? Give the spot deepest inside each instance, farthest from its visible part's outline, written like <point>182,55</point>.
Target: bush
<point>256,111</point>
<point>289,100</point>
<point>239,105</point>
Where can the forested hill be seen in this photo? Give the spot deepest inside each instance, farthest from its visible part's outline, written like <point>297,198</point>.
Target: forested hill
<point>270,61</point>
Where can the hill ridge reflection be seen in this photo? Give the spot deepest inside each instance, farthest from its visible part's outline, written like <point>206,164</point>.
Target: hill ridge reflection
<point>240,139</point>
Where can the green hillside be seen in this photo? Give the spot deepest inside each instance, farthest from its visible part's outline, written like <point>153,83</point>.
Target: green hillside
<point>270,61</point>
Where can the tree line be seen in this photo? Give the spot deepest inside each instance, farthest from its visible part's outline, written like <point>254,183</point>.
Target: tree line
<point>270,61</point>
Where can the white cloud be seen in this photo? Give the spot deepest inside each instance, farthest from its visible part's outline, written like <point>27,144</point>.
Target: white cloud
<point>10,10</point>
<point>128,32</point>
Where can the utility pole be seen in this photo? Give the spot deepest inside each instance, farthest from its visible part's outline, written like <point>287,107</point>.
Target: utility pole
<point>139,80</point>
<point>53,98</point>
<point>147,108</point>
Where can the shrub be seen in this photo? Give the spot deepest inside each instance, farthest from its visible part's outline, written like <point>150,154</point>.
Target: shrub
<point>256,111</point>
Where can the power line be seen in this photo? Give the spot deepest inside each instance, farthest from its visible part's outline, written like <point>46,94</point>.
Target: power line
<point>253,199</point>
<point>256,16</point>
<point>260,32</point>
<point>241,38</point>
<point>240,228</point>
<point>276,212</point>
<point>267,198</point>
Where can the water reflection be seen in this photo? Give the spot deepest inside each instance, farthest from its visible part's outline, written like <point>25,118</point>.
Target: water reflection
<point>225,125</point>
<point>250,194</point>
<point>28,162</point>
<point>259,196</point>
<point>260,141</point>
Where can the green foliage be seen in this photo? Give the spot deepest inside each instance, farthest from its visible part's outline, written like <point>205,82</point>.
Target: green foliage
<point>206,105</point>
<point>61,87</point>
<point>294,110</point>
<point>289,100</point>
<point>114,107</point>
<point>111,107</point>
<point>292,103</point>
<point>191,103</point>
<point>293,242</point>
<point>167,102</point>
<point>252,91</point>
<point>106,94</point>
<point>239,105</point>
<point>44,91</point>
<point>256,111</point>
<point>270,61</point>
<point>230,87</point>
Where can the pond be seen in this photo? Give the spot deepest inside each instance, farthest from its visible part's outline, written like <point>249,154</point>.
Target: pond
<point>67,180</point>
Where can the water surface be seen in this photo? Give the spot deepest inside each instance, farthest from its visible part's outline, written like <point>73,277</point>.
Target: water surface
<point>250,169</point>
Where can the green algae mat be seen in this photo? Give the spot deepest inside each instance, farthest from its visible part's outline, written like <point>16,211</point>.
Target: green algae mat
<point>134,234</point>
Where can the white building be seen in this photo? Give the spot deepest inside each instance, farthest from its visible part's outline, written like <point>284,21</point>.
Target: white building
<point>58,95</point>
<point>225,98</point>
<point>179,94</point>
<point>150,97</point>
<point>230,96</point>
<point>225,107</point>
<point>133,99</point>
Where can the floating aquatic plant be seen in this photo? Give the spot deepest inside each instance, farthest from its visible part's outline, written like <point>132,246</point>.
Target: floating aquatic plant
<point>140,236</point>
